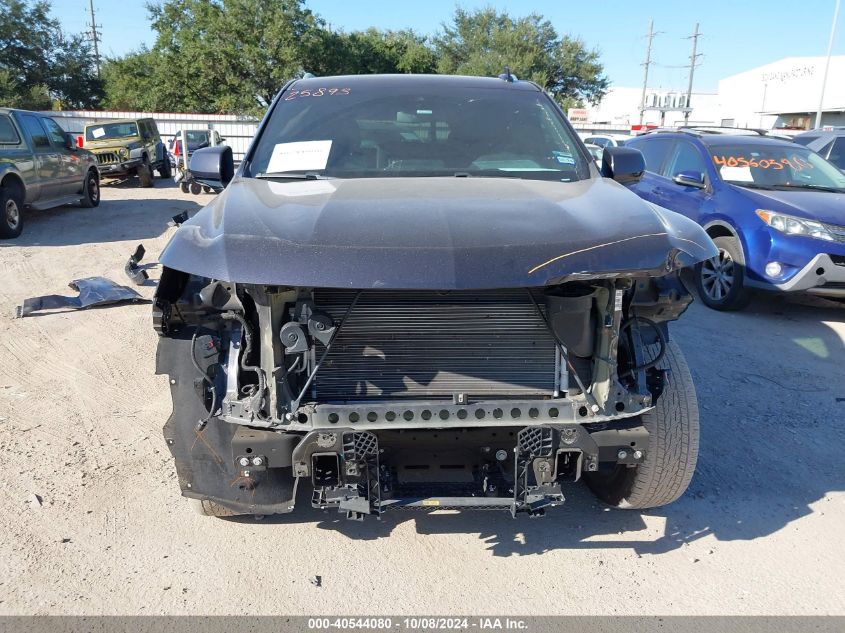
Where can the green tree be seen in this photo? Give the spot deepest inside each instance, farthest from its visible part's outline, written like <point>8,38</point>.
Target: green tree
<point>483,42</point>
<point>41,66</point>
<point>374,51</point>
<point>234,55</point>
<point>217,55</point>
<point>132,83</point>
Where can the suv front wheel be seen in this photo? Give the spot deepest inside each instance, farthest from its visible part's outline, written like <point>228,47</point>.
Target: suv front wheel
<point>672,450</point>
<point>145,173</point>
<point>721,280</point>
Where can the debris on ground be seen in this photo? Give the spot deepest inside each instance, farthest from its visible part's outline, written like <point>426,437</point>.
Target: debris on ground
<point>93,291</point>
<point>178,220</point>
<point>137,274</point>
<point>34,500</point>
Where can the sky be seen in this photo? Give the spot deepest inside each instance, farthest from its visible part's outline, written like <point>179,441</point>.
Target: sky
<point>736,35</point>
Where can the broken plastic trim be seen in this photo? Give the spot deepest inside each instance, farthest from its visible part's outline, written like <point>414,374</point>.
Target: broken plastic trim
<point>93,291</point>
<point>137,274</point>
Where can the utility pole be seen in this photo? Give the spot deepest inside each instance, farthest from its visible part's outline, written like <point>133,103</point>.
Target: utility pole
<point>827,64</point>
<point>692,64</point>
<point>95,36</point>
<point>646,64</point>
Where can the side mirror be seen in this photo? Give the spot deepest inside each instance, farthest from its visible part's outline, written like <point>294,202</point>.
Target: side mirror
<point>213,165</point>
<point>690,179</point>
<point>624,164</point>
<point>70,141</point>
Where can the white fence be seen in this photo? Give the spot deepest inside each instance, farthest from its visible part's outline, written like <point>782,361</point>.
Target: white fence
<point>237,130</point>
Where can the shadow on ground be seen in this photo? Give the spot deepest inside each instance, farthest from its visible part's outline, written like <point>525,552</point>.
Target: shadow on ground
<point>771,386</point>
<point>112,221</point>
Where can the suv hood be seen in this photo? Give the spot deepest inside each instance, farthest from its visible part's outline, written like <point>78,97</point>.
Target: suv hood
<point>823,206</point>
<point>431,233</point>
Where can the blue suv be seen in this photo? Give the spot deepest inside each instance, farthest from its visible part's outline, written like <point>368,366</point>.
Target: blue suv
<point>775,210</point>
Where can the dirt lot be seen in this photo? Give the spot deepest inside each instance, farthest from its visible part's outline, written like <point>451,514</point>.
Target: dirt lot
<point>759,532</point>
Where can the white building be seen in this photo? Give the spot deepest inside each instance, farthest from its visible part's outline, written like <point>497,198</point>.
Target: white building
<point>784,94</point>
<point>621,107</point>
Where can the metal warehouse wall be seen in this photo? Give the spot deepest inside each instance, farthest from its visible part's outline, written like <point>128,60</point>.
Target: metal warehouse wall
<point>237,130</point>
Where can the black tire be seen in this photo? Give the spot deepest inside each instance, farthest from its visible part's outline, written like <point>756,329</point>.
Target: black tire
<point>721,281</point>
<point>145,174</point>
<point>207,189</point>
<point>208,508</point>
<point>196,188</point>
<point>672,450</point>
<point>91,190</point>
<point>11,211</point>
<point>164,171</point>
<point>184,187</point>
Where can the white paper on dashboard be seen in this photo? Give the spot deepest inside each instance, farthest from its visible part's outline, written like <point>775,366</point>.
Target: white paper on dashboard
<point>299,156</point>
<point>738,174</point>
<point>97,132</point>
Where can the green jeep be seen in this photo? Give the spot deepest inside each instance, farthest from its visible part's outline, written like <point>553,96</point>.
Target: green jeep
<point>126,147</point>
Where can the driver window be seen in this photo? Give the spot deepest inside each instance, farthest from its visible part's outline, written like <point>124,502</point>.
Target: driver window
<point>686,158</point>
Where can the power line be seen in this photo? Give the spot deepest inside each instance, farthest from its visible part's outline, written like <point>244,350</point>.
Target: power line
<point>95,36</point>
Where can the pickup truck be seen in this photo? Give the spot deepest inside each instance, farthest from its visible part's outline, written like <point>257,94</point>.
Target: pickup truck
<point>40,168</point>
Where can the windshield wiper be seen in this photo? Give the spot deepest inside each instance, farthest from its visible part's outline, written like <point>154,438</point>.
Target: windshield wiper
<point>811,187</point>
<point>750,185</point>
<point>291,175</point>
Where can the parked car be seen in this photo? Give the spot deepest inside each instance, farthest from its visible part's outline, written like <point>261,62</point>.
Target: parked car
<point>40,168</point>
<point>197,139</point>
<point>128,147</point>
<point>608,140</point>
<point>776,211</point>
<point>417,291</point>
<point>595,151</point>
<point>828,143</point>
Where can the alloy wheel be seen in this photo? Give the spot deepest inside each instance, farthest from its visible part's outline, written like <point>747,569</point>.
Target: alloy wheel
<point>94,189</point>
<point>12,214</point>
<point>717,275</point>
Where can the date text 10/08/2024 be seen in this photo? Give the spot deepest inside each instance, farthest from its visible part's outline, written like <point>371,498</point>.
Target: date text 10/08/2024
<point>415,623</point>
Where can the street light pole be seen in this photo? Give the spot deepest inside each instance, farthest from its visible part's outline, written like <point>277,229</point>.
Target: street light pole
<point>827,63</point>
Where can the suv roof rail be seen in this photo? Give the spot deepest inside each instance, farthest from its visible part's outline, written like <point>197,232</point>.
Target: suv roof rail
<point>721,129</point>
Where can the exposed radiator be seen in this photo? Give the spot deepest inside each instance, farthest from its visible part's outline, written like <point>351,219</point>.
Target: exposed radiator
<point>425,344</point>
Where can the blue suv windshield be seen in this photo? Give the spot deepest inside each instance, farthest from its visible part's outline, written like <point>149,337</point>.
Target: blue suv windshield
<point>767,166</point>
<point>400,130</point>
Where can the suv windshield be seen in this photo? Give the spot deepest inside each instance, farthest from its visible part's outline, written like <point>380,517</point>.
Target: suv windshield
<point>110,130</point>
<point>766,166</point>
<point>417,130</point>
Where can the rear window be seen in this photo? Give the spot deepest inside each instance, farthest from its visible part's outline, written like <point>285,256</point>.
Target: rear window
<point>35,130</point>
<point>837,153</point>
<point>8,133</point>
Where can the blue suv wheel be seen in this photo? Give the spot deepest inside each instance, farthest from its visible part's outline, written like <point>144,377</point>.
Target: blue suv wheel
<point>721,280</point>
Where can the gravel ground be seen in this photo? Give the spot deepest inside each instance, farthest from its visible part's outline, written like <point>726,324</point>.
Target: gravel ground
<point>91,521</point>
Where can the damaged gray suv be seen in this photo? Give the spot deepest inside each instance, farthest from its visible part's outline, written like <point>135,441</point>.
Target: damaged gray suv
<point>421,292</point>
